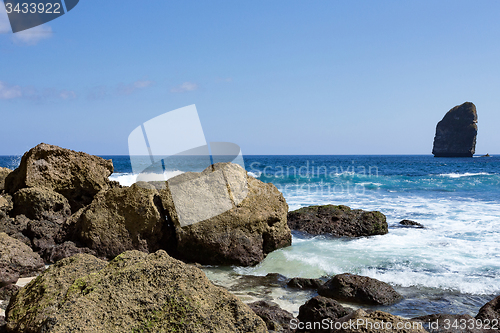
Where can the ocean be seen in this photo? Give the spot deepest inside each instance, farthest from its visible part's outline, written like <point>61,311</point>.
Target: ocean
<point>450,266</point>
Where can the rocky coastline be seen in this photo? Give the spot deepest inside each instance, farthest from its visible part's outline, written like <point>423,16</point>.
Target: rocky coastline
<point>121,259</point>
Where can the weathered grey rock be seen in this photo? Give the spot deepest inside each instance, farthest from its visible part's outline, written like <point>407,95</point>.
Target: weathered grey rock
<point>321,308</point>
<point>75,175</point>
<point>490,310</point>
<point>15,228</point>
<point>378,322</point>
<point>121,219</point>
<point>456,132</point>
<point>4,172</point>
<point>17,260</point>
<point>135,292</point>
<point>303,283</point>
<point>338,221</point>
<point>359,289</point>
<point>38,203</point>
<point>241,219</point>
<point>276,319</point>
<point>411,224</point>
<point>449,323</point>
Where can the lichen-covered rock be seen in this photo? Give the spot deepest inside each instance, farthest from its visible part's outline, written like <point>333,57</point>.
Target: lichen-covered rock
<point>17,260</point>
<point>38,203</point>
<point>75,175</point>
<point>4,172</point>
<point>456,132</point>
<point>276,319</point>
<point>337,221</point>
<point>318,309</point>
<point>360,321</point>
<point>359,289</point>
<point>490,310</point>
<point>135,292</point>
<point>303,283</point>
<point>121,219</point>
<point>223,216</point>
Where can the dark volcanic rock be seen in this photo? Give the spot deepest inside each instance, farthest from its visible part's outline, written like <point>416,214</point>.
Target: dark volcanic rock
<point>2,325</point>
<point>38,203</point>
<point>134,292</point>
<point>490,310</point>
<point>4,172</point>
<point>121,219</point>
<point>16,228</point>
<point>276,319</point>
<point>17,260</point>
<point>359,289</point>
<point>411,224</point>
<point>338,221</point>
<point>456,133</point>
<point>302,283</point>
<point>242,218</point>
<point>6,293</point>
<point>443,323</point>
<point>319,308</point>
<point>75,175</point>
<point>60,251</point>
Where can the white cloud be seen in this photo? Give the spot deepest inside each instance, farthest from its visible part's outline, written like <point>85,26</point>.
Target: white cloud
<point>9,92</point>
<point>32,36</point>
<point>127,89</point>
<point>186,86</point>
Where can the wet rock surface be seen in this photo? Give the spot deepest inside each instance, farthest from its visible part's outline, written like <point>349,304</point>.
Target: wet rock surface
<point>359,289</point>
<point>303,283</point>
<point>338,221</point>
<point>490,311</point>
<point>276,319</point>
<point>321,308</point>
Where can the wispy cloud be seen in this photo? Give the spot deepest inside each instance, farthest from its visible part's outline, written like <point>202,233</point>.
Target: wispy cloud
<point>127,89</point>
<point>27,37</point>
<point>186,86</point>
<point>103,91</point>
<point>32,36</point>
<point>9,92</point>
<point>12,92</point>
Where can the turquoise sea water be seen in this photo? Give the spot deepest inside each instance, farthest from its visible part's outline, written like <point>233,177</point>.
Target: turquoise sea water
<point>452,266</point>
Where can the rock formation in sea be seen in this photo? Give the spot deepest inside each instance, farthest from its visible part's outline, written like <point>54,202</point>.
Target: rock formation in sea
<point>359,289</point>
<point>276,319</point>
<point>135,292</point>
<point>338,221</point>
<point>456,132</point>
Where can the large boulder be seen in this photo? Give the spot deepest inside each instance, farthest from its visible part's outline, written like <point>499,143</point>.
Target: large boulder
<point>337,221</point>
<point>359,289</point>
<point>223,216</point>
<point>121,219</point>
<point>135,292</point>
<point>4,172</point>
<point>319,310</point>
<point>276,319</point>
<point>456,132</point>
<point>39,203</point>
<point>490,311</point>
<point>17,260</point>
<point>75,175</point>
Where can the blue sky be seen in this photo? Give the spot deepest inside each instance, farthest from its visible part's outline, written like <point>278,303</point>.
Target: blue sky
<point>274,76</point>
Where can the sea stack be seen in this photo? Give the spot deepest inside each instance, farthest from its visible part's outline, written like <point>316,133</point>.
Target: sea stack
<point>456,132</point>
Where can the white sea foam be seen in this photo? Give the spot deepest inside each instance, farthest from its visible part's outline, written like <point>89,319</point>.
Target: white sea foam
<point>466,174</point>
<point>255,174</point>
<point>127,179</point>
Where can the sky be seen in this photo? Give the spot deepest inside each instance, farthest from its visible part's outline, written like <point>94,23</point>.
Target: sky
<point>274,76</point>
